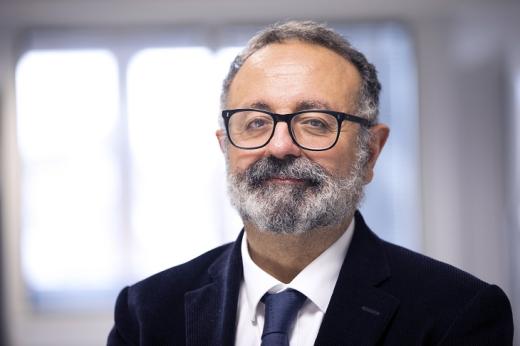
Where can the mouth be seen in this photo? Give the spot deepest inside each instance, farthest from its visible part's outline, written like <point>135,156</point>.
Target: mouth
<point>287,180</point>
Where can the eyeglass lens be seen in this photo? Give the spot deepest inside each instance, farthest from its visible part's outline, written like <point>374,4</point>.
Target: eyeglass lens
<point>312,130</point>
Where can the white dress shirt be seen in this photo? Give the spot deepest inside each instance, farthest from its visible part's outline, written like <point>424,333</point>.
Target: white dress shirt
<point>316,281</point>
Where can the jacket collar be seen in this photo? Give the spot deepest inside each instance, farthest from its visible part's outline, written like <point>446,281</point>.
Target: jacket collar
<point>211,309</point>
<point>358,312</point>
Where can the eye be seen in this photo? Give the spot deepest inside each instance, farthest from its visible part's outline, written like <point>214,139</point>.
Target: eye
<point>316,123</point>
<point>256,123</point>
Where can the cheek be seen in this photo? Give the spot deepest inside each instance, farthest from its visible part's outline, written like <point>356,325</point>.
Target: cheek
<point>336,161</point>
<point>334,165</point>
<point>240,160</point>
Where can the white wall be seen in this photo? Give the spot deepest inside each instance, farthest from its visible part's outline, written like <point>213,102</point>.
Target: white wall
<point>465,66</point>
<point>467,52</point>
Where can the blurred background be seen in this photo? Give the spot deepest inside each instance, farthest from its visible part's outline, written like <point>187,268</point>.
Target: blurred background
<point>110,171</point>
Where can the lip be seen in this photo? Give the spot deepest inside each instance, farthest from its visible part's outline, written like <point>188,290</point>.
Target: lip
<point>281,180</point>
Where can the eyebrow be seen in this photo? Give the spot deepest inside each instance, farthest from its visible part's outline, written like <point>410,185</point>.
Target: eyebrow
<point>303,105</point>
<point>261,105</point>
<point>311,104</point>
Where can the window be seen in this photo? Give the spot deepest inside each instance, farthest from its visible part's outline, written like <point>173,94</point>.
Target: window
<point>67,118</point>
<point>178,196</point>
<point>122,174</point>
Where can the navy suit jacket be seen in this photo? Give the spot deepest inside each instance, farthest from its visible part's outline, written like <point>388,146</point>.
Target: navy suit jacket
<point>385,295</point>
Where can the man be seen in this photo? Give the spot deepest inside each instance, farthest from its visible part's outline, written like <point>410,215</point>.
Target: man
<point>301,138</point>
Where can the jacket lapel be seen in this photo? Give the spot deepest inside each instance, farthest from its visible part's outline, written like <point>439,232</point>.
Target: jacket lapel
<point>211,309</point>
<point>359,312</point>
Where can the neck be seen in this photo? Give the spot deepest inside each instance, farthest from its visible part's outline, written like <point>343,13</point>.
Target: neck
<point>285,255</point>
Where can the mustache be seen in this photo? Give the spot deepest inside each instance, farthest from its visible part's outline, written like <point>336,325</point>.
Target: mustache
<point>290,167</point>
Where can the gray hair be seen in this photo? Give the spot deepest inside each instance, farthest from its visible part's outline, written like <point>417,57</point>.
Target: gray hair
<point>318,34</point>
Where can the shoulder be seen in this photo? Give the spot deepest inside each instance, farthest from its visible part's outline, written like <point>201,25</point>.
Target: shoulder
<point>172,283</point>
<point>457,307</point>
<point>435,303</point>
<point>431,282</point>
<point>153,308</point>
<point>421,271</point>
<point>407,274</point>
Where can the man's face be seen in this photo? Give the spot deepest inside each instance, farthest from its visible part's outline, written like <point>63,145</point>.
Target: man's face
<point>286,78</point>
<point>290,77</point>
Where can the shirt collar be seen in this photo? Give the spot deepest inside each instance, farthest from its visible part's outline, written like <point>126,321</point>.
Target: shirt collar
<point>316,281</point>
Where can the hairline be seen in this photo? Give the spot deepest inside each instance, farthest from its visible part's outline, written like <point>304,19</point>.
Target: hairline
<point>367,102</point>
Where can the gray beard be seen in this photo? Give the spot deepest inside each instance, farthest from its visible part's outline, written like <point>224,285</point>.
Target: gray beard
<point>321,201</point>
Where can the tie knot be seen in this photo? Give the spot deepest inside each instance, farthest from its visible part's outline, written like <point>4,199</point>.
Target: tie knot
<point>280,311</point>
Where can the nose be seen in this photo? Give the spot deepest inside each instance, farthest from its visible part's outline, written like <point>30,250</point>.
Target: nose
<point>281,144</point>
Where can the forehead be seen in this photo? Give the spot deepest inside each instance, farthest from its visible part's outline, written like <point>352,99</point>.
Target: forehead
<point>295,72</point>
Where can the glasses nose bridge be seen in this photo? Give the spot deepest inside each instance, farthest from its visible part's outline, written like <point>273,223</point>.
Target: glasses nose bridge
<point>282,143</point>
<point>283,118</point>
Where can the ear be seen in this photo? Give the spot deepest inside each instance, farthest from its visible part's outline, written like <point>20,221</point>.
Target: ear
<point>222,139</point>
<point>378,139</point>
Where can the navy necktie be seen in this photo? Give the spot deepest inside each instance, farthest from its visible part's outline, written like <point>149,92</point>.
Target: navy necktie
<point>280,311</point>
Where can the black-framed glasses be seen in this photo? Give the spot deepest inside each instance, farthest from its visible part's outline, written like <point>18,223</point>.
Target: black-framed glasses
<point>315,130</point>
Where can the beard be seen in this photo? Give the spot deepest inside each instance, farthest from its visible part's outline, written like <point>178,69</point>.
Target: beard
<point>318,200</point>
